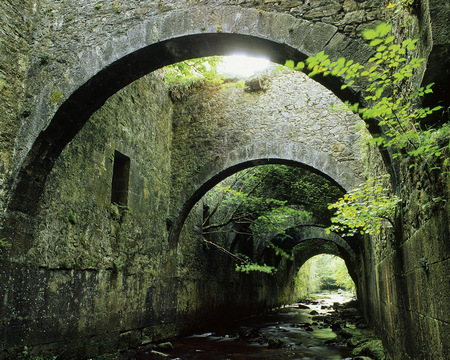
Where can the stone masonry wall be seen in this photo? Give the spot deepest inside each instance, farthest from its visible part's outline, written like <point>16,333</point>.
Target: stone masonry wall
<point>83,256</point>
<point>16,21</point>
<point>95,277</point>
<point>89,280</point>
<point>292,118</point>
<point>74,41</point>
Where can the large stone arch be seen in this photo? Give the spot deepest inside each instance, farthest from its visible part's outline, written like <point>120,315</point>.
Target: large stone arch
<point>65,95</point>
<point>307,241</point>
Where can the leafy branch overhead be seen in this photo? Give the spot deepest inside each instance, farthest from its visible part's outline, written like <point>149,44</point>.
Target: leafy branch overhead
<point>401,119</point>
<point>188,74</point>
<point>399,116</point>
<point>263,203</point>
<point>365,209</point>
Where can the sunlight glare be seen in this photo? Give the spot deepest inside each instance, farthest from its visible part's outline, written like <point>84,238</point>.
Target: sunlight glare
<point>242,66</point>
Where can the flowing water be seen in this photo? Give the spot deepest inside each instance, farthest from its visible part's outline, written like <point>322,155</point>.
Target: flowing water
<point>295,335</point>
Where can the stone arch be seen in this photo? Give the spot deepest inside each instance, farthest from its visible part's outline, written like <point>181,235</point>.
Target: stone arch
<point>313,240</point>
<point>308,248</point>
<point>66,97</point>
<point>307,241</point>
<point>258,154</point>
<point>312,232</point>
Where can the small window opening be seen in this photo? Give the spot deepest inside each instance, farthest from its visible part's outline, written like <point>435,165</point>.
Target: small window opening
<point>120,180</point>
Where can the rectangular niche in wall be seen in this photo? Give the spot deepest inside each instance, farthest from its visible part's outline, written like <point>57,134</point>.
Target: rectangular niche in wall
<point>120,180</point>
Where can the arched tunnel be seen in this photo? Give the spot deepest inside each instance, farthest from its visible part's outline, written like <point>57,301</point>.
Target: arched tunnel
<point>104,178</point>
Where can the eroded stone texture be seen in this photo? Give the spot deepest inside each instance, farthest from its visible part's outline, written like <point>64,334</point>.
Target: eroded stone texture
<point>93,277</point>
<point>15,25</point>
<point>73,251</point>
<point>293,119</point>
<point>85,51</point>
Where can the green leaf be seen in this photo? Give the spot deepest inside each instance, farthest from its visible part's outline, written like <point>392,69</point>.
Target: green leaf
<point>370,34</point>
<point>300,66</point>
<point>376,42</point>
<point>389,39</point>
<point>289,64</point>
<point>383,29</point>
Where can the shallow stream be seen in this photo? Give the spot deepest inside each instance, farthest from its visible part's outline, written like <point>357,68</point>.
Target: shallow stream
<point>294,334</point>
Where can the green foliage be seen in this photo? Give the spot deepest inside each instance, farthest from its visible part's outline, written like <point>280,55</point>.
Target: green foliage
<point>4,245</point>
<point>323,272</point>
<point>398,115</point>
<point>301,189</point>
<point>364,209</point>
<point>401,119</point>
<point>188,74</point>
<point>269,198</point>
<point>192,70</point>
<point>278,219</point>
<point>72,219</point>
<point>264,201</point>
<point>246,265</point>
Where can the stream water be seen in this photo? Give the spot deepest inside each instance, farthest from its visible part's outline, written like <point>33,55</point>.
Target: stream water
<point>287,333</point>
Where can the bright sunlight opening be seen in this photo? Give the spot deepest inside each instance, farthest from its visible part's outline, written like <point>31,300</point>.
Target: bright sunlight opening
<point>242,66</point>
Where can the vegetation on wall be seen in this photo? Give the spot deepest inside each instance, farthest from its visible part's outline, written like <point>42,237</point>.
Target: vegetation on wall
<point>400,117</point>
<point>188,74</point>
<point>364,209</point>
<point>398,114</point>
<point>264,202</point>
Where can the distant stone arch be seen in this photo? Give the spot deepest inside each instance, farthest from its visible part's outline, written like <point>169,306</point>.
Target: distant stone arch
<point>306,241</point>
<point>305,233</point>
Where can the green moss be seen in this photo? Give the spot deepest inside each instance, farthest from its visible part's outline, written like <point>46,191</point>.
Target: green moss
<point>116,6</point>
<point>371,348</point>
<point>44,59</point>
<point>72,219</point>
<point>55,97</point>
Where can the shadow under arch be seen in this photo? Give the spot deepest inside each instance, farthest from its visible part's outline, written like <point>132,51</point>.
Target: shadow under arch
<point>210,181</point>
<point>86,99</point>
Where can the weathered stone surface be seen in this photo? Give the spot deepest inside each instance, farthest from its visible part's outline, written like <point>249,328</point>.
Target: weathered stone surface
<point>61,63</point>
<point>216,130</point>
<point>71,250</point>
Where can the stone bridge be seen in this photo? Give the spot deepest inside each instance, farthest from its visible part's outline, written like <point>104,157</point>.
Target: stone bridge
<point>87,119</point>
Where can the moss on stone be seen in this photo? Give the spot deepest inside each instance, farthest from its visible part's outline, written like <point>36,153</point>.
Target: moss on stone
<point>55,97</point>
<point>371,348</point>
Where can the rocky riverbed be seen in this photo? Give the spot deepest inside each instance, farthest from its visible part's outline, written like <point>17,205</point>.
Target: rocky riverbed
<point>326,326</point>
